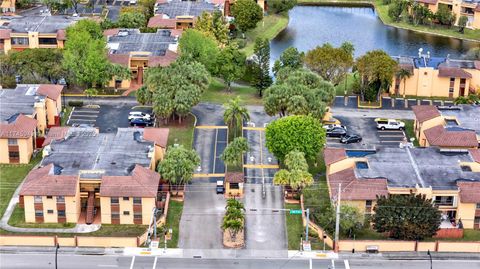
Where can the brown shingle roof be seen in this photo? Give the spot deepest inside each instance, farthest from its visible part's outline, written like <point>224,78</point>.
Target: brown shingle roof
<point>111,32</point>
<point>23,127</point>
<point>55,133</point>
<point>439,136</point>
<point>159,136</point>
<point>475,154</point>
<point>469,191</point>
<point>234,177</point>
<point>356,189</point>
<point>51,91</point>
<point>165,60</point>
<point>142,183</point>
<point>430,2</point>
<point>424,113</point>
<point>122,59</point>
<point>477,65</point>
<point>5,33</point>
<point>42,181</point>
<point>61,34</point>
<point>453,72</point>
<point>332,155</point>
<point>158,21</point>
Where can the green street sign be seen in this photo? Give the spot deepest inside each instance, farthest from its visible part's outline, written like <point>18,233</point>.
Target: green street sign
<point>295,212</point>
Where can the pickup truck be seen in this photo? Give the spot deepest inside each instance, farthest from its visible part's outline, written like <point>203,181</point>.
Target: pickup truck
<point>389,124</point>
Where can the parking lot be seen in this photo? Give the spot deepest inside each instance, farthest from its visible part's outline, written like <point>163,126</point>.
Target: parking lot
<point>105,117</point>
<point>371,137</point>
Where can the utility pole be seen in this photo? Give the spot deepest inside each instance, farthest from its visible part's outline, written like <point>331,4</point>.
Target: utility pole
<point>56,254</point>
<point>337,219</point>
<point>308,220</point>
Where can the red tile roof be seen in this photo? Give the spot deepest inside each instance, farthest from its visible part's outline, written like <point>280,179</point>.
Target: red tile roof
<point>111,32</point>
<point>477,65</point>
<point>23,127</point>
<point>121,59</point>
<point>333,155</point>
<point>61,34</point>
<point>234,177</point>
<point>441,137</point>
<point>5,33</point>
<point>430,2</point>
<point>158,21</point>
<point>424,113</point>
<point>55,133</point>
<point>165,60</point>
<point>475,154</point>
<point>157,135</point>
<point>477,8</point>
<point>453,72</point>
<point>356,189</point>
<point>142,183</point>
<point>42,181</point>
<point>51,91</point>
<point>469,191</point>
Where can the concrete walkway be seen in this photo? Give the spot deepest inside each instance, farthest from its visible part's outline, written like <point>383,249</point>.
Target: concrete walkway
<point>79,228</point>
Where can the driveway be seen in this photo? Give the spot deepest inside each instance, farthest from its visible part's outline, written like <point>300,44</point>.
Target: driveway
<point>393,103</point>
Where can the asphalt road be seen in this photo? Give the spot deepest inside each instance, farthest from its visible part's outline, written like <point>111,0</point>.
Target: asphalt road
<point>388,103</point>
<point>47,261</point>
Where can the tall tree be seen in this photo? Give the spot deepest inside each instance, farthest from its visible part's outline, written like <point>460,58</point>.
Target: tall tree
<point>132,20</point>
<point>179,165</point>
<point>290,58</point>
<point>295,160</point>
<point>213,25</point>
<point>444,15</point>
<point>196,46</point>
<point>143,95</point>
<point>247,14</point>
<point>176,88</point>
<point>261,77</point>
<point>230,64</point>
<point>280,6</point>
<point>351,221</point>
<point>233,153</point>
<point>403,74</point>
<point>462,23</point>
<point>329,62</point>
<point>302,133</point>
<point>300,92</point>
<point>148,8</point>
<point>376,69</point>
<point>233,221</point>
<point>234,116</point>
<point>296,174</point>
<point>407,217</point>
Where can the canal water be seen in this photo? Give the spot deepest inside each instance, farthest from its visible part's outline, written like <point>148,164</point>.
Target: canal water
<point>311,26</point>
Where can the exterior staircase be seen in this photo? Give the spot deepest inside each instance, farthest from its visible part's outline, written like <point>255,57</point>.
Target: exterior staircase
<point>90,208</point>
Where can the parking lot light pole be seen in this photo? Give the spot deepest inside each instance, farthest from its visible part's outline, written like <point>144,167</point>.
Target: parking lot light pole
<point>430,255</point>
<point>56,254</point>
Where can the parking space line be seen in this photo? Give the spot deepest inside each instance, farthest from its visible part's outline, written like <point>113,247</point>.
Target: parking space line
<point>215,150</point>
<point>390,141</point>
<point>86,116</point>
<point>209,175</point>
<point>133,262</point>
<point>84,120</point>
<point>156,257</point>
<point>392,136</point>
<point>253,128</point>
<point>273,166</point>
<point>210,127</point>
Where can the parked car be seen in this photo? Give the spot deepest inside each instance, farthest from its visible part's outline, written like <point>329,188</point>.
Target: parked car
<point>137,114</point>
<point>336,132</point>
<point>220,189</point>
<point>389,124</point>
<point>330,126</point>
<point>141,122</point>
<point>351,138</point>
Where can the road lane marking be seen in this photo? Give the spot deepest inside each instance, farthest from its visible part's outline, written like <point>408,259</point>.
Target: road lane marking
<point>108,265</point>
<point>254,128</point>
<point>208,175</point>
<point>74,120</point>
<point>155,263</point>
<point>390,141</point>
<point>392,136</point>
<point>260,166</point>
<point>215,150</point>
<point>347,264</point>
<point>210,127</point>
<point>132,263</point>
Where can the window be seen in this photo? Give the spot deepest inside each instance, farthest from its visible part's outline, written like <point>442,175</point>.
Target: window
<point>61,213</point>
<point>115,215</point>
<point>50,211</point>
<point>37,199</point>
<point>126,213</point>
<point>478,206</point>
<point>20,41</point>
<point>114,200</point>
<point>137,200</point>
<point>234,186</point>
<point>444,200</point>
<point>14,154</point>
<point>126,198</point>
<point>137,215</point>
<point>477,220</point>
<point>60,199</point>
<point>38,213</point>
<point>466,168</point>
<point>47,41</point>
<point>12,141</point>
<point>368,203</point>
<point>361,165</point>
<point>451,90</point>
<point>49,197</point>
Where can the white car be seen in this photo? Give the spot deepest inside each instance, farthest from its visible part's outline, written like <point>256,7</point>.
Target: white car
<point>331,126</point>
<point>389,124</point>
<point>137,114</point>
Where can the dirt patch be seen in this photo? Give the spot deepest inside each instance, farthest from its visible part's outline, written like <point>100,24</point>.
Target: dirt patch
<point>239,241</point>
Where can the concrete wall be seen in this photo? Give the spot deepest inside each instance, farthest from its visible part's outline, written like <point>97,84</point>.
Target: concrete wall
<point>106,241</point>
<point>147,206</point>
<point>459,247</point>
<point>383,245</point>
<point>27,240</point>
<point>25,149</point>
<point>29,208</point>
<point>52,110</point>
<point>41,113</point>
<point>466,212</point>
<point>4,151</point>
<point>72,208</point>
<point>106,210</point>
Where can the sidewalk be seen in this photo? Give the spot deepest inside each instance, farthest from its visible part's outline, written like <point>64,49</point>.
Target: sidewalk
<point>410,256</point>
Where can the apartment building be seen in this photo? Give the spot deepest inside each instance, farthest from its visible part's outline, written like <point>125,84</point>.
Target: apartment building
<point>436,77</point>
<point>91,177</point>
<point>7,6</point>
<point>25,114</point>
<point>451,179</point>
<point>447,127</point>
<point>139,51</point>
<point>19,33</point>
<point>468,8</point>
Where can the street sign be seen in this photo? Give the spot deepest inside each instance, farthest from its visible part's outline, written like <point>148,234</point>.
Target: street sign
<point>154,244</point>
<point>306,246</point>
<point>295,212</point>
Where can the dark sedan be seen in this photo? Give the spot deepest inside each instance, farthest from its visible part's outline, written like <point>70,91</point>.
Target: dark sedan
<point>352,138</point>
<point>336,132</point>
<point>141,122</point>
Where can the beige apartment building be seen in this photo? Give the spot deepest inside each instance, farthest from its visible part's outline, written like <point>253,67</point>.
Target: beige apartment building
<point>451,180</point>
<point>91,177</point>
<point>470,9</point>
<point>26,113</point>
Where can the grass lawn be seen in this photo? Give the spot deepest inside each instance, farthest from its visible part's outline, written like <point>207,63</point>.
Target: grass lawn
<point>294,227</point>
<point>11,175</point>
<point>340,88</point>
<point>269,27</point>
<point>181,133</point>
<point>18,220</point>
<point>410,132</point>
<point>119,230</point>
<point>173,222</point>
<point>382,11</point>
<point>66,115</point>
<point>216,93</point>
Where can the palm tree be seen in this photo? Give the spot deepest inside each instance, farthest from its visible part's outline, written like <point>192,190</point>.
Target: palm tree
<point>233,203</point>
<point>234,115</point>
<point>403,74</point>
<point>233,226</point>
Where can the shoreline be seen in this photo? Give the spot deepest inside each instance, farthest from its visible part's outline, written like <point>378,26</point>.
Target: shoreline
<point>371,4</point>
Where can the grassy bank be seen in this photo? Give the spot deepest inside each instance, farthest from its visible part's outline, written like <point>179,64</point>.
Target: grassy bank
<point>173,222</point>
<point>217,93</point>
<point>269,27</point>
<point>294,227</point>
<point>181,133</point>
